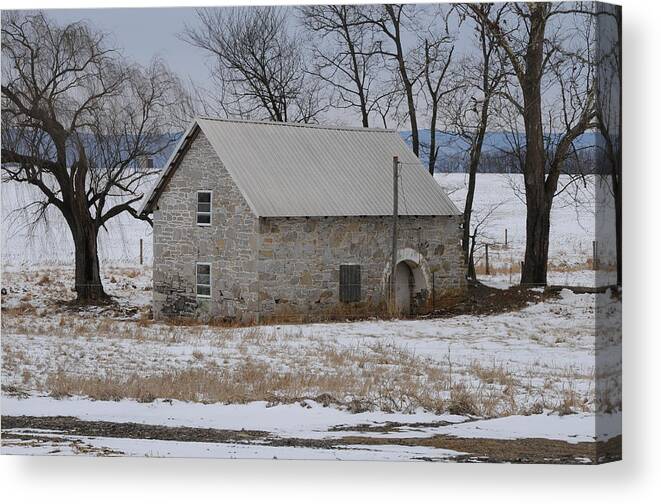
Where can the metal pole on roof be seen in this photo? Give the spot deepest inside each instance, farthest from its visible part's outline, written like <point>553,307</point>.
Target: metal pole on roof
<point>395,215</point>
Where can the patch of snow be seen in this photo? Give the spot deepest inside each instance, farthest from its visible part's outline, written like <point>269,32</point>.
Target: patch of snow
<point>180,449</point>
<point>576,428</point>
<point>311,421</point>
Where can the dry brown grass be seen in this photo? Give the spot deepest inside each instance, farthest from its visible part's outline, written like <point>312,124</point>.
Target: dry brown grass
<point>251,381</point>
<point>462,401</point>
<point>570,401</point>
<point>146,318</point>
<point>514,267</point>
<point>493,373</point>
<point>184,321</point>
<point>379,376</point>
<point>23,308</point>
<point>287,365</point>
<point>12,358</point>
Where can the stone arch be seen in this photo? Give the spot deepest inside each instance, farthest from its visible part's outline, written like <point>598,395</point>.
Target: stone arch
<point>411,272</point>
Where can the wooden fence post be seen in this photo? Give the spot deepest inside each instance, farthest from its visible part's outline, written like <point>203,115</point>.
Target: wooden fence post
<point>486,257</point>
<point>506,237</point>
<point>595,255</point>
<point>140,251</point>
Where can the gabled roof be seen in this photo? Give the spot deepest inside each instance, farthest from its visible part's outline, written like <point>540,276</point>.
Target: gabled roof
<point>295,170</point>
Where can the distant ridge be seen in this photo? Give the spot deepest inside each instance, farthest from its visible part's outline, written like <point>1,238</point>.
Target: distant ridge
<point>496,152</point>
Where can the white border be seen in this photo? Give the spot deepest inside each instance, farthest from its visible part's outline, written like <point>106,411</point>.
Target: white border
<point>55,479</point>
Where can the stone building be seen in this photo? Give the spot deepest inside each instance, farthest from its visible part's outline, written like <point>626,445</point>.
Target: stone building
<point>259,221</point>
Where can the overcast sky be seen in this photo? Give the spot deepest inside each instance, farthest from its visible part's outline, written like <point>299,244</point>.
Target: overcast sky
<point>145,33</point>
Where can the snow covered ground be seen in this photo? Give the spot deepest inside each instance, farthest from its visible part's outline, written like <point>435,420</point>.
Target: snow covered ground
<point>309,421</point>
<point>574,227</point>
<point>312,420</point>
<point>370,390</point>
<point>49,242</point>
<point>522,374</point>
<point>542,356</point>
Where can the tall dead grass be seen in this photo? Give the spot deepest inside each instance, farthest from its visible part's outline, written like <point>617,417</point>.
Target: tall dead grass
<point>379,376</point>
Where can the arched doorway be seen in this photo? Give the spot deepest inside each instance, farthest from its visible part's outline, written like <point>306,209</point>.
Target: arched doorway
<point>410,287</point>
<point>404,285</point>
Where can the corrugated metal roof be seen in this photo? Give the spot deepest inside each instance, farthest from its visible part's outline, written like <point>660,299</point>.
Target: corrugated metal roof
<point>293,170</point>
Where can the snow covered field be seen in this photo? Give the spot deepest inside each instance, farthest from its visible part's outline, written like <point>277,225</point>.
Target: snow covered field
<point>573,228</point>
<point>435,389</point>
<point>49,243</point>
<point>300,382</point>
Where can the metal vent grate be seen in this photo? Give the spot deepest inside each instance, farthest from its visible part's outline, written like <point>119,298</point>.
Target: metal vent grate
<point>349,283</point>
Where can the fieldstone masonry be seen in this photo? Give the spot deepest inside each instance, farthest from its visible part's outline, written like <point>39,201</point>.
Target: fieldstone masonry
<point>300,258</point>
<point>266,268</point>
<point>229,244</point>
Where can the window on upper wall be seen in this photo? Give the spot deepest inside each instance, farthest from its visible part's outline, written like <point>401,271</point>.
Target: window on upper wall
<point>349,283</point>
<point>203,216</point>
<point>203,280</point>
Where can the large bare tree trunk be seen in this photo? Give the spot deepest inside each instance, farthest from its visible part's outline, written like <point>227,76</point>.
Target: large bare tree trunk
<point>433,150</point>
<point>473,166</point>
<point>537,213</point>
<point>490,78</point>
<point>538,225</point>
<point>395,35</point>
<point>89,289</point>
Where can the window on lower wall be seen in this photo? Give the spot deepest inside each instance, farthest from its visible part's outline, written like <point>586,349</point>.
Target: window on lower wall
<point>203,212</point>
<point>203,280</point>
<point>349,283</point>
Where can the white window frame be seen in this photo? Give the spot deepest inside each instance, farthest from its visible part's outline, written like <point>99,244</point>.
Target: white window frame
<point>204,296</point>
<point>197,211</point>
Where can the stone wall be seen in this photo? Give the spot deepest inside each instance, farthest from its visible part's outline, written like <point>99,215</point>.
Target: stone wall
<point>229,243</point>
<point>263,268</point>
<point>299,261</point>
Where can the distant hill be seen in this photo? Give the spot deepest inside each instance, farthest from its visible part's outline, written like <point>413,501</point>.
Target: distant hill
<point>497,151</point>
<point>98,152</point>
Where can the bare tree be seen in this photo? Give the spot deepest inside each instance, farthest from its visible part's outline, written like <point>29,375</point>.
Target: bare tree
<point>390,24</point>
<point>77,120</point>
<point>259,64</point>
<point>539,50</point>
<point>346,57</point>
<point>470,110</point>
<point>437,58</point>
<point>477,231</point>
